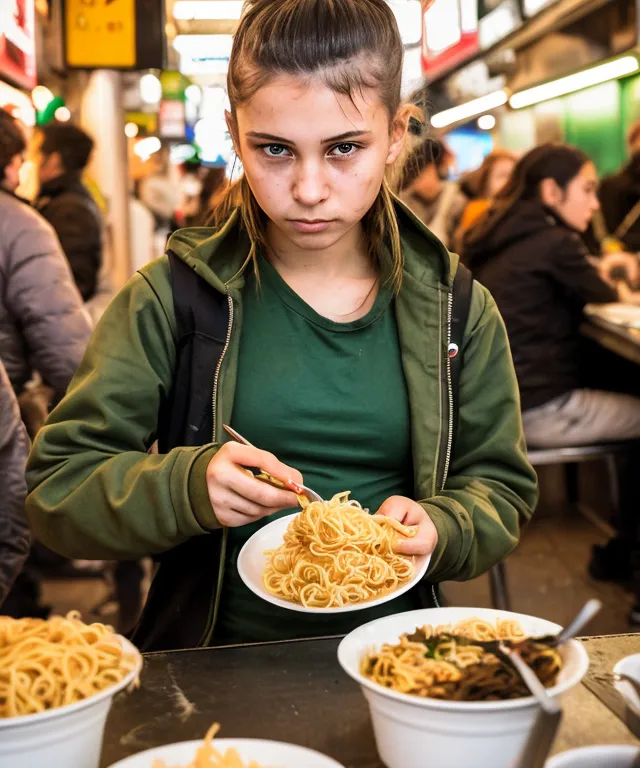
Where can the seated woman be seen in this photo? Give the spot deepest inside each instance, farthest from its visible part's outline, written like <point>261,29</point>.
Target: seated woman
<point>528,252</point>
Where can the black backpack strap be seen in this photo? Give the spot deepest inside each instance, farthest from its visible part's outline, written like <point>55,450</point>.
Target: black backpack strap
<point>202,318</point>
<point>462,290</point>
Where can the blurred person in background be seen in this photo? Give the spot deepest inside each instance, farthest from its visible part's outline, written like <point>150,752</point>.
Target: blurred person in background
<point>61,152</point>
<point>527,250</point>
<point>425,188</point>
<point>620,201</point>
<point>43,325</point>
<point>481,187</point>
<point>14,529</point>
<point>200,189</point>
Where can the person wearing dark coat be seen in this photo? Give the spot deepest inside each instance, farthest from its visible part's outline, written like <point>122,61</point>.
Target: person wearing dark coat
<point>620,198</point>
<point>61,152</point>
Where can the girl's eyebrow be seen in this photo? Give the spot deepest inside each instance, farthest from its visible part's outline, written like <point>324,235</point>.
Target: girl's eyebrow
<point>282,140</point>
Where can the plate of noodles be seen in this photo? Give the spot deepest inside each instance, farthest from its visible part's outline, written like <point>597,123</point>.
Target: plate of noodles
<point>228,753</point>
<point>332,557</point>
<point>58,678</point>
<point>437,696</point>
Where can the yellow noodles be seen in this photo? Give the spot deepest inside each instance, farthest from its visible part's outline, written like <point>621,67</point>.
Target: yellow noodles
<point>336,554</point>
<point>443,662</point>
<point>208,756</point>
<point>49,664</point>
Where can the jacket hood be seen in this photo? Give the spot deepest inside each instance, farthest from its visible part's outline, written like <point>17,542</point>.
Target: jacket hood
<point>221,256</point>
<point>526,218</point>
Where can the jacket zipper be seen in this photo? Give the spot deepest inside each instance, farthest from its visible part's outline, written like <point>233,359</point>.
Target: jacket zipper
<point>447,460</point>
<point>213,615</point>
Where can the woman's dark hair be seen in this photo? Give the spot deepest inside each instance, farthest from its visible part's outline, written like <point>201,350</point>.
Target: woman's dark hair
<point>12,141</point>
<point>428,152</point>
<point>72,143</point>
<point>559,162</point>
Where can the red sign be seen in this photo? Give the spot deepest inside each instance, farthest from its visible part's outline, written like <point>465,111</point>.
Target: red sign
<point>17,44</point>
<point>449,35</point>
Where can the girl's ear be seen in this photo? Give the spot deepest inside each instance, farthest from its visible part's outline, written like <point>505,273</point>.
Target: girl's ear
<point>550,192</point>
<point>233,130</point>
<point>399,128</point>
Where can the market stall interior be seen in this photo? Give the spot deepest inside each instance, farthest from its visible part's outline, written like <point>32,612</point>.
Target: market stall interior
<point>395,243</point>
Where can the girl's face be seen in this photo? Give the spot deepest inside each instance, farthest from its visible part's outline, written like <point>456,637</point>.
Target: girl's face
<point>315,159</point>
<point>578,202</point>
<point>499,175</point>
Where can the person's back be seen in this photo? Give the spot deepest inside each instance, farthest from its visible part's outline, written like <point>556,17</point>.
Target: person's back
<point>61,152</point>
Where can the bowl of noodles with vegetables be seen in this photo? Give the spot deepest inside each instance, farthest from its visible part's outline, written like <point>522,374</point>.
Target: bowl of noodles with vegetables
<point>439,691</point>
<point>58,678</point>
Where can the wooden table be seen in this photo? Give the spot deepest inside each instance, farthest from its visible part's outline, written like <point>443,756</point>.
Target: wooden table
<point>297,692</point>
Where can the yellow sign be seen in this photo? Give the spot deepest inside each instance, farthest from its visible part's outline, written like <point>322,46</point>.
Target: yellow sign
<point>100,33</point>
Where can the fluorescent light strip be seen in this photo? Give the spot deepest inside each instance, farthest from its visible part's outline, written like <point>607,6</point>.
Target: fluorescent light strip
<point>469,110</point>
<point>207,10</point>
<point>610,70</point>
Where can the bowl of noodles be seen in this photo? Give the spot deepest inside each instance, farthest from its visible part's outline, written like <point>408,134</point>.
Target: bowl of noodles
<point>228,753</point>
<point>57,681</point>
<point>333,557</point>
<point>439,701</point>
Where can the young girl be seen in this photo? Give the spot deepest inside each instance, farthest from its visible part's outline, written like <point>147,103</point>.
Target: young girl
<point>335,360</point>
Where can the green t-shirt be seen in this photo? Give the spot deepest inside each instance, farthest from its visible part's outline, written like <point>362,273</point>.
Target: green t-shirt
<point>330,399</point>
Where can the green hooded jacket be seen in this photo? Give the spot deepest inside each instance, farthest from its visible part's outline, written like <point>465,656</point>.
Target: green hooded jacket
<point>96,492</point>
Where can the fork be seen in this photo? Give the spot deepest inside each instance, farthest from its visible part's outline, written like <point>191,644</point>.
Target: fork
<point>266,477</point>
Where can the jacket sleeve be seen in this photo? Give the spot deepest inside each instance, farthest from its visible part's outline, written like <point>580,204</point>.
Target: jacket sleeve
<point>41,295</point>
<point>570,266</point>
<point>14,530</point>
<point>80,235</point>
<point>95,492</point>
<point>491,489</point>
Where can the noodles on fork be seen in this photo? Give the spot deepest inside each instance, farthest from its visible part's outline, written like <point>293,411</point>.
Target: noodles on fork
<point>335,554</point>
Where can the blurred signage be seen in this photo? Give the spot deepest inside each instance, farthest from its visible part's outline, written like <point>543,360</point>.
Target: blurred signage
<point>114,34</point>
<point>17,44</point>
<point>147,122</point>
<point>497,20</point>
<point>101,33</point>
<point>449,35</point>
<point>171,120</point>
<point>173,84</point>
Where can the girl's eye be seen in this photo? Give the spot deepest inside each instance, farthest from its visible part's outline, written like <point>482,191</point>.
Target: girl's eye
<point>344,150</point>
<point>275,150</point>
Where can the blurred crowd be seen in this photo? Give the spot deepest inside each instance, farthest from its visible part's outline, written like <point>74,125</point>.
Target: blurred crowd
<point>541,231</point>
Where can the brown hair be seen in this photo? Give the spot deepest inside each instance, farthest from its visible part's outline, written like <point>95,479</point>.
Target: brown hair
<point>12,141</point>
<point>351,45</point>
<point>478,181</point>
<point>559,162</point>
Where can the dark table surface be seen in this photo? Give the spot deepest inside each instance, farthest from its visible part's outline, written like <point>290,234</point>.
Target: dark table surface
<point>618,339</point>
<point>297,692</point>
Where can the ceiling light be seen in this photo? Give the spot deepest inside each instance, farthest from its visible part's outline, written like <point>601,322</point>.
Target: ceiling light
<point>486,122</point>
<point>469,109</point>
<point>62,114</point>
<point>207,10</point>
<point>193,93</point>
<point>610,70</point>
<point>131,130</point>
<point>150,89</point>
<point>146,147</point>
<point>41,96</point>
<point>210,46</point>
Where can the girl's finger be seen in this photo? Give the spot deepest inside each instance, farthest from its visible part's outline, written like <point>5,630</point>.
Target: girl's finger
<point>245,485</point>
<point>233,510</point>
<point>248,456</point>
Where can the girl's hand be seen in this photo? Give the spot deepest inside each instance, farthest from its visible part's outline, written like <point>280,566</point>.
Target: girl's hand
<point>236,496</point>
<point>409,512</point>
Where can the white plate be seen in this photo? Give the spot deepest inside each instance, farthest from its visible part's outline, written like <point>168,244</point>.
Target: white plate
<point>270,754</point>
<point>627,315</point>
<point>609,756</point>
<point>630,665</point>
<point>252,562</point>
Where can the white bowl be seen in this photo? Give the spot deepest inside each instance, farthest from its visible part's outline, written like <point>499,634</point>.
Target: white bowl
<point>630,665</point>
<point>604,756</point>
<point>66,737</point>
<point>252,562</point>
<point>266,752</point>
<point>416,732</point>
